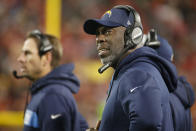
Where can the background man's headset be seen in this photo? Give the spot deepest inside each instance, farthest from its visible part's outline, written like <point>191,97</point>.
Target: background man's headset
<point>45,44</point>
<point>44,47</point>
<point>133,34</point>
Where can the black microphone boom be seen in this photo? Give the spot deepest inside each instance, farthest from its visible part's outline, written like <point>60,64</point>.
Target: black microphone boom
<point>104,67</point>
<point>17,76</point>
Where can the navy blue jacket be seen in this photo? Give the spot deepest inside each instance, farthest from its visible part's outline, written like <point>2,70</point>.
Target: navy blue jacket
<point>138,97</point>
<point>182,98</point>
<point>52,107</point>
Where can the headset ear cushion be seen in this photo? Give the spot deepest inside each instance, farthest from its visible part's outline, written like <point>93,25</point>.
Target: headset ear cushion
<point>128,35</point>
<point>45,46</point>
<point>137,35</point>
<point>133,36</point>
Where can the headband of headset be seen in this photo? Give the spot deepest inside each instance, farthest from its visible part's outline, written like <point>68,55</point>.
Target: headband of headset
<point>130,9</point>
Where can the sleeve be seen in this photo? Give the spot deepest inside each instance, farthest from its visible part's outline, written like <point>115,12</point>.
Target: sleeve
<point>140,98</point>
<point>54,113</point>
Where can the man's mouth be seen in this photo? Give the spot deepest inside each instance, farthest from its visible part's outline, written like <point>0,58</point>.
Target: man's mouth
<point>22,69</point>
<point>103,52</point>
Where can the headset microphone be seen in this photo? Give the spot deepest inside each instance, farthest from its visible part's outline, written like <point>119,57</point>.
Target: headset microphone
<point>16,75</point>
<point>104,67</point>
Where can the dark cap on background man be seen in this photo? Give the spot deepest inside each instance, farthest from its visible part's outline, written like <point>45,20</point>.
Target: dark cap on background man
<point>165,50</point>
<point>111,18</point>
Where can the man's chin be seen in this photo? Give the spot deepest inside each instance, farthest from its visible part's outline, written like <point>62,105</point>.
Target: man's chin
<point>25,75</point>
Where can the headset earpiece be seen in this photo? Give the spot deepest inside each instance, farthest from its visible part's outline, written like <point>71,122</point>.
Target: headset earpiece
<point>45,44</point>
<point>134,32</point>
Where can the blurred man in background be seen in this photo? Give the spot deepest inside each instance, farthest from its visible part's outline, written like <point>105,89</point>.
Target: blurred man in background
<point>52,106</point>
<point>138,96</point>
<point>182,98</point>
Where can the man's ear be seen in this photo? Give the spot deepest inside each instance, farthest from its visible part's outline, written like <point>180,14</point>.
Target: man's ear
<point>47,58</point>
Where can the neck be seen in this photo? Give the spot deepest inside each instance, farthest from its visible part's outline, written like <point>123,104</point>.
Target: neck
<point>126,54</point>
<point>45,71</point>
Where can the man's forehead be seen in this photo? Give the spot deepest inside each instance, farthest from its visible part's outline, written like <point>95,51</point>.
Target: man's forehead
<point>103,28</point>
<point>30,45</point>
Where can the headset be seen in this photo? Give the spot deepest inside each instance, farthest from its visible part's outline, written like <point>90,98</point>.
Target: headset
<point>44,47</point>
<point>45,44</point>
<point>134,32</point>
<point>132,37</point>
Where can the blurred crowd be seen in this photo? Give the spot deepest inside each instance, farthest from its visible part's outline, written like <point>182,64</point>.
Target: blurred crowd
<point>175,20</point>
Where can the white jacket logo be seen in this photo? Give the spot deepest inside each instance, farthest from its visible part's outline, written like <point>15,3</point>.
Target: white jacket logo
<point>55,116</point>
<point>131,90</point>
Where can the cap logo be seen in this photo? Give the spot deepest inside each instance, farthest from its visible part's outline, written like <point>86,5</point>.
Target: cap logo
<point>128,22</point>
<point>109,13</point>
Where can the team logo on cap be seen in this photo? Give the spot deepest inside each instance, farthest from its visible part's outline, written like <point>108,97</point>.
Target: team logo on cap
<point>109,13</point>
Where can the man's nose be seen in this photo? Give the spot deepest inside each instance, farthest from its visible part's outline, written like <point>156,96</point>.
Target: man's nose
<point>100,39</point>
<point>21,58</point>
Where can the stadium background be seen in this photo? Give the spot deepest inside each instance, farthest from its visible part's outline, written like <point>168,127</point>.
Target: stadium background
<point>174,19</point>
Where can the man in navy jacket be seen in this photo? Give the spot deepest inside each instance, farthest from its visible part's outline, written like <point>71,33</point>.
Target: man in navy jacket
<point>138,96</point>
<point>182,98</point>
<point>52,106</point>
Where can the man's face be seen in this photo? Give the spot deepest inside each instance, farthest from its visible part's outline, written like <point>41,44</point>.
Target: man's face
<point>30,61</point>
<point>110,42</point>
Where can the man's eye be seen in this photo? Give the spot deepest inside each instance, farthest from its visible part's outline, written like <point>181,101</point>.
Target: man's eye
<point>108,32</point>
<point>97,33</point>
